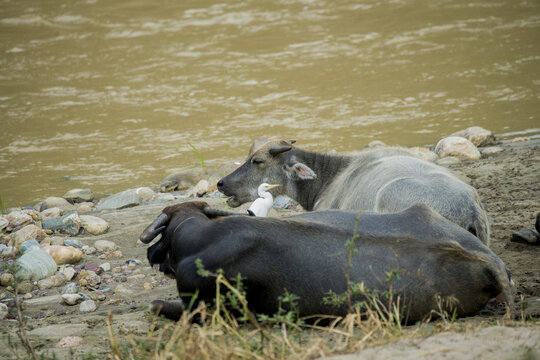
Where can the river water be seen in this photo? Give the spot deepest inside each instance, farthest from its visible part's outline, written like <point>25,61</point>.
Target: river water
<point>108,95</point>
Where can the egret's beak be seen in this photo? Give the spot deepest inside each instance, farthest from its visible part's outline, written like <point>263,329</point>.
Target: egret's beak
<point>271,186</point>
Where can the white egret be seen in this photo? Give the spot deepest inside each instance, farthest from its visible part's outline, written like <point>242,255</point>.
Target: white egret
<point>262,205</point>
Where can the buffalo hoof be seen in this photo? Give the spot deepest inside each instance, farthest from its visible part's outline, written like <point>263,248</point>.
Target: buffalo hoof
<point>172,309</point>
<point>526,236</point>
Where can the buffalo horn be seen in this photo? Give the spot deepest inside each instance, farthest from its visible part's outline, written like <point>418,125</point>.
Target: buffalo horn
<point>212,212</point>
<point>291,141</point>
<point>278,149</point>
<point>154,229</point>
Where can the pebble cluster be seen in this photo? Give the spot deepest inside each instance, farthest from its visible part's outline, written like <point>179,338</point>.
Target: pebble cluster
<point>40,253</point>
<point>465,145</point>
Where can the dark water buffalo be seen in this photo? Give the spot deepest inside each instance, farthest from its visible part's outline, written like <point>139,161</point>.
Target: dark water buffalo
<point>383,180</point>
<point>306,255</point>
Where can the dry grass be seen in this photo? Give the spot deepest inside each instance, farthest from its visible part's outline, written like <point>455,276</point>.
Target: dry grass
<point>214,333</point>
<point>217,338</point>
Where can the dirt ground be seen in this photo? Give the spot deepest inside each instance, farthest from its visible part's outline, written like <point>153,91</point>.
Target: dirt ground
<point>509,186</point>
<point>507,183</point>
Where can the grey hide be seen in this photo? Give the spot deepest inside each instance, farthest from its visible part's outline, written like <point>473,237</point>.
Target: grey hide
<point>384,180</point>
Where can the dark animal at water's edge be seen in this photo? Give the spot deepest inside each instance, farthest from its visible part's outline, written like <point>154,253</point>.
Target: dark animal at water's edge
<point>383,180</point>
<point>307,256</point>
<point>531,237</point>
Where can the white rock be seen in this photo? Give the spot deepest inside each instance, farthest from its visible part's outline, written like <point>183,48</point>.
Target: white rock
<point>200,189</point>
<point>87,306</point>
<point>72,299</point>
<point>424,154</point>
<point>57,202</point>
<point>88,250</point>
<point>69,342</point>
<point>94,225</point>
<point>34,214</point>
<point>52,281</point>
<point>9,251</point>
<point>477,135</point>
<point>71,288</point>
<point>458,147</point>
<point>51,213</point>
<point>17,218</point>
<point>105,266</point>
<point>84,207</point>
<point>121,200</point>
<point>57,240</point>
<point>3,311</point>
<point>92,279</point>
<point>73,217</point>
<point>105,245</point>
<point>146,194</point>
<point>79,195</point>
<point>29,232</point>
<point>68,273</point>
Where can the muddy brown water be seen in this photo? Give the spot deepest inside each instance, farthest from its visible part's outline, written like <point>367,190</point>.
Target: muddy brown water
<point>108,95</point>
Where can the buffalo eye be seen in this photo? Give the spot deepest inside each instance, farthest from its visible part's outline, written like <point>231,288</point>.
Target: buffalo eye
<point>257,161</point>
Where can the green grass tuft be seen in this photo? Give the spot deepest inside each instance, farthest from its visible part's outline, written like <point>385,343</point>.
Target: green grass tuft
<point>198,154</point>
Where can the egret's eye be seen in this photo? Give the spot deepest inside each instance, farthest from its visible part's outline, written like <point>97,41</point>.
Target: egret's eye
<point>257,161</point>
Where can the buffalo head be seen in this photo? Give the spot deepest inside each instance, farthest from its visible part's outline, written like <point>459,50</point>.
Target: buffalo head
<point>271,161</point>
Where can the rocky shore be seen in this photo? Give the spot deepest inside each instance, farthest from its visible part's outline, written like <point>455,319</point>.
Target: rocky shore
<point>79,258</point>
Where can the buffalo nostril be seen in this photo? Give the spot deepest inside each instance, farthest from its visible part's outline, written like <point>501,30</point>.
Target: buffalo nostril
<point>220,184</point>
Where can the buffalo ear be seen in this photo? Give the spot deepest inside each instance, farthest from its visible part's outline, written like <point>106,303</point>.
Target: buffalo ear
<point>300,171</point>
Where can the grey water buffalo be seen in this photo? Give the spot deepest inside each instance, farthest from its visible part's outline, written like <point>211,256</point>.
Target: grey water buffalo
<point>307,255</point>
<point>383,180</point>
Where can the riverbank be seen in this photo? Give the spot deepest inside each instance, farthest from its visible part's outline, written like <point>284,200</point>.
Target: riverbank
<point>507,182</point>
